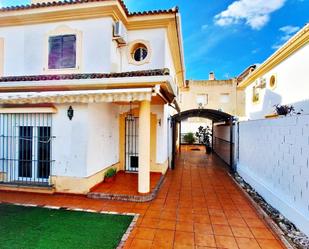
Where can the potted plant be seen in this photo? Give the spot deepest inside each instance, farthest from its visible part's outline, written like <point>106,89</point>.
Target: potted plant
<point>189,138</point>
<point>110,175</point>
<point>204,134</point>
<point>283,110</point>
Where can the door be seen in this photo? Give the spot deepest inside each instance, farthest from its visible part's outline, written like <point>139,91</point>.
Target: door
<point>33,154</point>
<point>131,144</point>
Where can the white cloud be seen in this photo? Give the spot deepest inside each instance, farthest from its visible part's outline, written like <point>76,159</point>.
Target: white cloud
<point>286,33</point>
<point>289,29</point>
<point>255,13</point>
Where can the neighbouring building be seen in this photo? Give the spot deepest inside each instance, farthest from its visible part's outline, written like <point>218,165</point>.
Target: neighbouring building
<point>86,85</point>
<point>283,79</point>
<point>210,94</point>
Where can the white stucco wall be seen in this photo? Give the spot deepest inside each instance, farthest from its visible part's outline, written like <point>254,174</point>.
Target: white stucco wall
<point>69,148</point>
<point>168,59</point>
<point>88,143</point>
<point>103,140</point>
<point>25,46</point>
<point>156,40</point>
<point>159,110</point>
<point>274,159</point>
<point>292,86</point>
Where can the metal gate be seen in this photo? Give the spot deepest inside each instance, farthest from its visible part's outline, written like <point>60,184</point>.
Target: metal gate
<point>25,149</point>
<point>131,144</point>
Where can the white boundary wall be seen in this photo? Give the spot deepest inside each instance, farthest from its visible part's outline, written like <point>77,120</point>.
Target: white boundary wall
<point>274,159</point>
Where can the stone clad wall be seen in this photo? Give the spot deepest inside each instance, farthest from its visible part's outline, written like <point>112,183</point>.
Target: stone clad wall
<point>274,159</point>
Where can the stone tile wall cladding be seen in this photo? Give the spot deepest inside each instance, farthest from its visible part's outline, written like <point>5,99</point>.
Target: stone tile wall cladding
<point>274,159</point>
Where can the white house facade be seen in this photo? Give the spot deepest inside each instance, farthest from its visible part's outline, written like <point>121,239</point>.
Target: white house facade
<point>281,80</point>
<point>86,86</point>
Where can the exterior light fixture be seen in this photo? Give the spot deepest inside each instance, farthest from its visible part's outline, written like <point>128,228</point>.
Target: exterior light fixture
<point>70,113</point>
<point>159,121</point>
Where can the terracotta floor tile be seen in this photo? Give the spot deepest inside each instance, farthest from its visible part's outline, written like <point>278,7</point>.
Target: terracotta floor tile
<point>150,223</point>
<point>204,247</point>
<point>205,240</point>
<point>166,236</point>
<point>184,226</point>
<point>236,221</point>
<point>247,243</point>
<point>167,224</point>
<point>185,217</point>
<point>219,220</point>
<point>153,214</point>
<point>243,232</point>
<point>184,238</point>
<point>141,244</point>
<point>203,228</point>
<point>180,246</point>
<point>269,244</point>
<point>168,215</point>
<point>222,230</point>
<point>162,245</point>
<point>145,233</point>
<point>217,212</point>
<point>201,219</point>
<point>255,222</point>
<point>262,233</point>
<point>226,242</point>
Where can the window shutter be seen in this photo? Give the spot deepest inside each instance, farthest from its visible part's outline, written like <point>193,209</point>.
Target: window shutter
<point>68,51</point>
<point>55,52</point>
<point>62,52</point>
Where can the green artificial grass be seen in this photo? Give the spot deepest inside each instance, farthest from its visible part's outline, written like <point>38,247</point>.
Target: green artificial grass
<point>41,228</point>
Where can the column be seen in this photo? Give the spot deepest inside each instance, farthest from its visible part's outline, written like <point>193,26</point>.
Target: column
<point>144,148</point>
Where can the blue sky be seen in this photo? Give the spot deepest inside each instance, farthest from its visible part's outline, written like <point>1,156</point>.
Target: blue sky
<point>226,36</point>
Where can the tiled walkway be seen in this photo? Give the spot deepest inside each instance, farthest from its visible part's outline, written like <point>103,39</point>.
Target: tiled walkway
<point>198,206</point>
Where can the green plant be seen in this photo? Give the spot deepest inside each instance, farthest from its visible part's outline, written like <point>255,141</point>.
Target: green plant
<point>189,138</point>
<point>110,172</point>
<point>204,135</point>
<point>286,109</point>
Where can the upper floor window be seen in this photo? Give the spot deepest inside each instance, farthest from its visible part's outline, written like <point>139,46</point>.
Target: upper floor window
<point>202,100</point>
<point>62,52</point>
<point>140,53</point>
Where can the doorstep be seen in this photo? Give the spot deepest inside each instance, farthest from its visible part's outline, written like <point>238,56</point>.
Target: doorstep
<point>128,197</point>
<point>27,188</point>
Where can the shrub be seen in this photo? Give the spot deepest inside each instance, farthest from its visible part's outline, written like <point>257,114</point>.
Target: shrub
<point>189,138</point>
<point>110,172</point>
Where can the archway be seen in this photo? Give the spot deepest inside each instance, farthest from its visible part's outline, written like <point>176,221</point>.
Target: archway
<point>217,117</point>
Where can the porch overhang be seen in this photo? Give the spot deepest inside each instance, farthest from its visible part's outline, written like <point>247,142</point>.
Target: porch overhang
<point>89,81</point>
<point>83,96</point>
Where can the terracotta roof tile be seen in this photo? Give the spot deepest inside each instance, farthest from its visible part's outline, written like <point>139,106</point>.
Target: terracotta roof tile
<point>71,2</point>
<point>155,72</point>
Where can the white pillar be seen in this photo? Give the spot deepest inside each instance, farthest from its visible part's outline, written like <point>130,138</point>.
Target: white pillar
<point>144,148</point>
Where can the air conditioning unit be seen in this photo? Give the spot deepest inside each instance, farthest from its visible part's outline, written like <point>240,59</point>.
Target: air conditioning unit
<point>120,33</point>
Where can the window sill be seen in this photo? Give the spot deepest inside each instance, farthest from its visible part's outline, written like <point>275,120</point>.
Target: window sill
<point>62,70</point>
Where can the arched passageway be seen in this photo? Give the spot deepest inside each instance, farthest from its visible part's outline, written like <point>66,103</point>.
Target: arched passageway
<point>217,117</point>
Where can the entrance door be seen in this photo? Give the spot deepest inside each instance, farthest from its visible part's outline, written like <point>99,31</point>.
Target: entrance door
<point>33,154</point>
<point>131,145</point>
